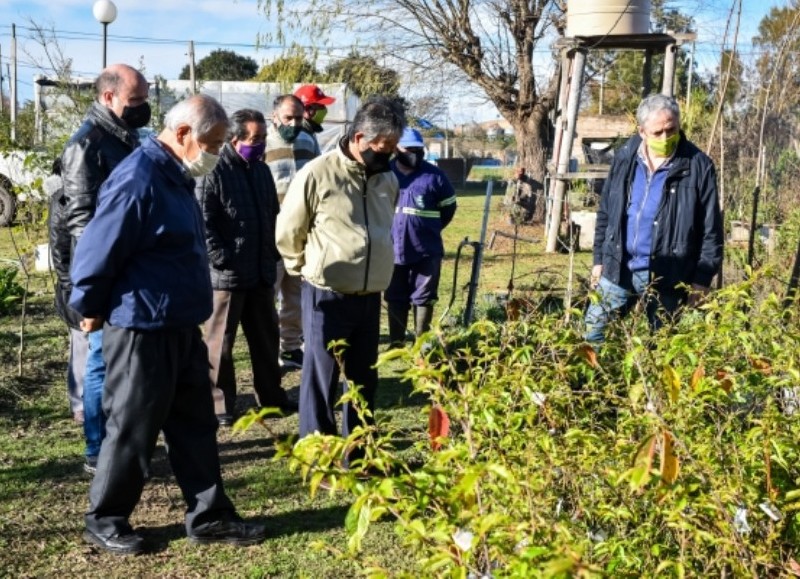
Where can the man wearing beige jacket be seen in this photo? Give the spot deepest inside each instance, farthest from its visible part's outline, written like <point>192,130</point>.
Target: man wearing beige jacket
<point>334,229</point>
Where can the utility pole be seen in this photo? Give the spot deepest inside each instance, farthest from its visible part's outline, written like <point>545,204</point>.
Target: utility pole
<point>192,81</point>
<point>689,78</point>
<point>13,83</point>
<point>1,80</point>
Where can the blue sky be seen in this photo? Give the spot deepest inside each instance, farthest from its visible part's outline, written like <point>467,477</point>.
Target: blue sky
<point>157,32</point>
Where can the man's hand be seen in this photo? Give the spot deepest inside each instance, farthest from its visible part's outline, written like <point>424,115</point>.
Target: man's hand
<point>91,324</point>
<point>594,280</point>
<point>697,294</point>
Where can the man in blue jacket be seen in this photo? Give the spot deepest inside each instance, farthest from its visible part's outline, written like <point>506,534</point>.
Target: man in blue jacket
<point>141,272</point>
<point>425,207</point>
<point>659,228</point>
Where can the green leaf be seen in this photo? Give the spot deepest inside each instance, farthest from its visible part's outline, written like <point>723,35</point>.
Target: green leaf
<point>672,381</point>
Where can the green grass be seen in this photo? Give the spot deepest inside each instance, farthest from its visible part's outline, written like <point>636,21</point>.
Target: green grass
<point>43,491</point>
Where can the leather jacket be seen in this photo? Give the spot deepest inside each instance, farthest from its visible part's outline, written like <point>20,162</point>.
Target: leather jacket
<point>101,142</point>
<point>88,158</point>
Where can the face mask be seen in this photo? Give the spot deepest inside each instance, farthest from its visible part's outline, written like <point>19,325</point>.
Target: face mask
<point>375,162</point>
<point>664,148</point>
<point>251,153</point>
<point>288,132</point>
<point>136,117</point>
<point>411,158</point>
<point>202,165</point>
<point>319,116</point>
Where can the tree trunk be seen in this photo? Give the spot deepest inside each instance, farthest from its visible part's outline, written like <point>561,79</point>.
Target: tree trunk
<point>532,136</point>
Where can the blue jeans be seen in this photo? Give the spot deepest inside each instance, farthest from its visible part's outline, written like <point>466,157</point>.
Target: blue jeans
<point>94,420</point>
<point>617,300</point>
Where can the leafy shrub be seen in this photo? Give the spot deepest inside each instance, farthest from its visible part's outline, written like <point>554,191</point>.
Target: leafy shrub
<point>10,291</point>
<point>672,454</point>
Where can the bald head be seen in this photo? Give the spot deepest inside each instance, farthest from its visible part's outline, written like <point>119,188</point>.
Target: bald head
<point>124,90</point>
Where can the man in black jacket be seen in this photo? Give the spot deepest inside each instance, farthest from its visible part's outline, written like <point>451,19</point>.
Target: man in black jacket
<point>240,206</point>
<point>107,135</point>
<point>659,228</point>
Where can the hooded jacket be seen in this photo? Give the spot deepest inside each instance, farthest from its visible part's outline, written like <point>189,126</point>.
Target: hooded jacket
<point>335,225</point>
<point>687,232</point>
<point>239,206</point>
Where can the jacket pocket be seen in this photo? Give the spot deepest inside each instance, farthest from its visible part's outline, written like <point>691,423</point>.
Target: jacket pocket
<point>151,306</point>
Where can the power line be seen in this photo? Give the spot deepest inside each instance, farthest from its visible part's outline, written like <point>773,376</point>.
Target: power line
<point>702,46</point>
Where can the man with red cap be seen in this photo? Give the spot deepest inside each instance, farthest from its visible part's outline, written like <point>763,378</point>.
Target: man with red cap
<point>315,104</point>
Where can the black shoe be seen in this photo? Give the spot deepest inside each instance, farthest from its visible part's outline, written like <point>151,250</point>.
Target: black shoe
<point>289,407</point>
<point>292,359</point>
<point>225,419</point>
<point>235,532</point>
<point>120,544</point>
<point>90,466</point>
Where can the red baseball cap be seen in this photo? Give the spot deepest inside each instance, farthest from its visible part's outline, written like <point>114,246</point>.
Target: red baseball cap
<point>311,94</point>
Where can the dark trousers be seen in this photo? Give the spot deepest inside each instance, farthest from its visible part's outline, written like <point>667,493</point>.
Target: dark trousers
<point>255,309</point>
<point>156,381</point>
<point>327,316</point>
<point>415,283</point>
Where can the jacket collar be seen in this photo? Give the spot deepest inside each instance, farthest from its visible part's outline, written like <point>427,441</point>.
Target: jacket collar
<point>230,156</point>
<point>112,124</point>
<point>170,167</point>
<point>343,151</point>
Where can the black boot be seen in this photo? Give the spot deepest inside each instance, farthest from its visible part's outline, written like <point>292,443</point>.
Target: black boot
<point>398,320</point>
<point>422,319</point>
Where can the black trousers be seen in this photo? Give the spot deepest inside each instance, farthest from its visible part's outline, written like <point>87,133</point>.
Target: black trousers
<point>327,316</point>
<point>156,381</point>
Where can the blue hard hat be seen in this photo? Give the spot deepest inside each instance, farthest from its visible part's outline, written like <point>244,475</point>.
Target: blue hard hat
<point>411,138</point>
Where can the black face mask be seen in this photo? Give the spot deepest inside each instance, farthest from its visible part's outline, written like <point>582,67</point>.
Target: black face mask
<point>411,158</point>
<point>136,117</point>
<point>375,162</point>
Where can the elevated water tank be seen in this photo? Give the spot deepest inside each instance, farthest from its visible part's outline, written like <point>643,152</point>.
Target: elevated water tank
<point>607,17</point>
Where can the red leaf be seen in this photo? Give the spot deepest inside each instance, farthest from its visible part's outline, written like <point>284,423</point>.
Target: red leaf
<point>438,426</point>
<point>586,352</point>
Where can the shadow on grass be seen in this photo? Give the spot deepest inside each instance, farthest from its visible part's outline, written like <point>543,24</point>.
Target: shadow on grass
<point>158,538</point>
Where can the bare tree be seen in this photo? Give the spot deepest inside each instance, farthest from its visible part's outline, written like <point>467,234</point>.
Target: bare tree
<point>487,43</point>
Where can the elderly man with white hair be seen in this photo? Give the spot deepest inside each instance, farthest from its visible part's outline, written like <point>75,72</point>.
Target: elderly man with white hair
<point>141,272</point>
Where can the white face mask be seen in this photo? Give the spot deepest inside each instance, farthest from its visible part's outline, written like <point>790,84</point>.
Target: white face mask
<point>202,165</point>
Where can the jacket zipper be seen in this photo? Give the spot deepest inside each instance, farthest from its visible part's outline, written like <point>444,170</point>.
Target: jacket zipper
<point>649,179</point>
<point>366,225</point>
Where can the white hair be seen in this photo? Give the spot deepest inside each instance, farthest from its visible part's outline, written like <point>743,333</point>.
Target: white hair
<point>201,112</point>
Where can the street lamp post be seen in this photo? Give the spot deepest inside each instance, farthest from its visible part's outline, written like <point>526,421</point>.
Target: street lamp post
<point>105,12</point>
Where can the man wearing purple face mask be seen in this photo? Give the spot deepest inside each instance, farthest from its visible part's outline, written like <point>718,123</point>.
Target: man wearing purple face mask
<point>240,206</point>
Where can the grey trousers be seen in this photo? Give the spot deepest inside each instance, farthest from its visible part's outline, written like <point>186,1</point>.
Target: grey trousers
<point>78,350</point>
<point>254,309</point>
